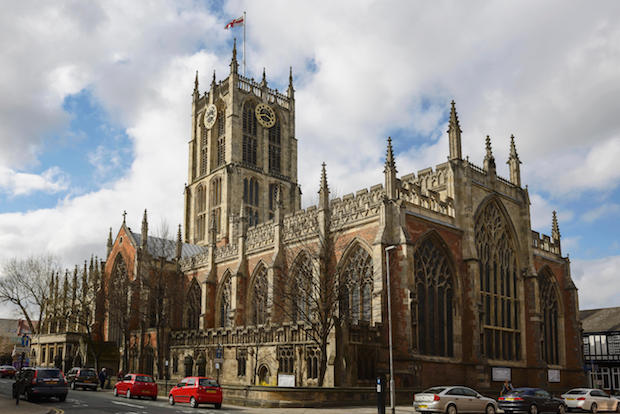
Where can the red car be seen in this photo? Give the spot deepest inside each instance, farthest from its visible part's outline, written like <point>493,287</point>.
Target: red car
<point>136,385</point>
<point>197,390</point>
<point>7,371</point>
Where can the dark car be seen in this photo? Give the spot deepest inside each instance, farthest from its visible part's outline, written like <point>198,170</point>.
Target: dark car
<point>83,377</point>
<point>35,383</point>
<point>7,371</point>
<point>530,400</point>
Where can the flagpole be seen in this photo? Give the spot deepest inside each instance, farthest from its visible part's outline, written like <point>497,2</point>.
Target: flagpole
<point>245,23</point>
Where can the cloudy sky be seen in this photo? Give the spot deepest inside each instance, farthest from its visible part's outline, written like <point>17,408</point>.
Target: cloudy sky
<point>96,99</point>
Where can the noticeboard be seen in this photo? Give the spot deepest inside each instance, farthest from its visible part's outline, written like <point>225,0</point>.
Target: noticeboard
<point>553,375</point>
<point>286,380</point>
<point>501,374</point>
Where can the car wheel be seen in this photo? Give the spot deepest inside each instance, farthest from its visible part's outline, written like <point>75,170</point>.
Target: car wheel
<point>115,392</point>
<point>193,403</point>
<point>128,394</point>
<point>62,397</point>
<point>171,399</point>
<point>218,406</point>
<point>490,409</point>
<point>451,409</point>
<point>618,407</point>
<point>561,409</point>
<point>594,408</point>
<point>154,397</point>
<point>73,385</point>
<point>533,409</point>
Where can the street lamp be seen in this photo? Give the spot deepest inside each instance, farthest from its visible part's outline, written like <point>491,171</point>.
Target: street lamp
<point>389,295</point>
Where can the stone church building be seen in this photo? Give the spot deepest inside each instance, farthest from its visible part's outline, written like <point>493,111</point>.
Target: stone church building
<point>257,290</point>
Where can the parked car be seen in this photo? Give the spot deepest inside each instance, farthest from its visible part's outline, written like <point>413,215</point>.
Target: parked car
<point>196,390</point>
<point>588,399</point>
<point>83,377</point>
<point>453,400</point>
<point>136,385</point>
<point>41,382</point>
<point>7,371</point>
<point>531,400</point>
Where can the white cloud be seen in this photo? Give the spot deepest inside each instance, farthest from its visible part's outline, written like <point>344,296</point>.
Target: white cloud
<point>607,209</point>
<point>52,180</point>
<point>541,212</point>
<point>597,281</point>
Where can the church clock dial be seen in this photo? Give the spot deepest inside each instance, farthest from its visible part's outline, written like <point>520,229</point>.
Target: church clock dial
<point>210,116</point>
<point>265,115</point>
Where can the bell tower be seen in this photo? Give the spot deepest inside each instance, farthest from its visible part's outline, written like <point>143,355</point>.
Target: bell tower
<point>242,153</point>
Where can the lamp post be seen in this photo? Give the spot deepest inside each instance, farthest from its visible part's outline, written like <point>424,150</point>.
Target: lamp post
<point>389,297</point>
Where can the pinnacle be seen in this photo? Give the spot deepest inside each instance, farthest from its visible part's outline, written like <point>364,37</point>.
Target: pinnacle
<point>196,82</point>
<point>213,82</point>
<point>389,157</point>
<point>234,51</point>
<point>555,228</point>
<point>323,177</point>
<point>513,148</point>
<point>454,118</point>
<point>488,147</point>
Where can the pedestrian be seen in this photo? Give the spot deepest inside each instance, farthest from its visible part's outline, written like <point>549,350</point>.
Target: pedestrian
<point>120,375</point>
<point>506,388</point>
<point>18,387</point>
<point>102,377</point>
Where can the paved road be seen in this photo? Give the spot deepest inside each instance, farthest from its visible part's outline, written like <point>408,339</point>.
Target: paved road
<point>91,402</point>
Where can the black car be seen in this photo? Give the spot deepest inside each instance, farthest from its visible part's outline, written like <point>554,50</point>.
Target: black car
<point>35,383</point>
<point>530,400</point>
<point>83,377</point>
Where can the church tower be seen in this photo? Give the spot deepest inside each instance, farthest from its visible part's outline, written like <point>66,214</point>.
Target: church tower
<point>242,152</point>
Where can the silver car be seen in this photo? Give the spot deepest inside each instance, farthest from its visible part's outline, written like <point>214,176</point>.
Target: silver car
<point>589,399</point>
<point>453,400</point>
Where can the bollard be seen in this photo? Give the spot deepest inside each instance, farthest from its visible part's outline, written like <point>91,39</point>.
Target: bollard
<point>381,395</point>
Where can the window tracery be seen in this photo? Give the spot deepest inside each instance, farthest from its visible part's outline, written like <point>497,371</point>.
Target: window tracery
<point>259,298</point>
<point>221,138</point>
<point>433,307</point>
<point>274,148</point>
<point>303,285</point>
<point>549,308</point>
<point>193,306</point>
<point>225,298</point>
<point>500,333</point>
<point>250,199</point>
<point>249,133</point>
<point>357,285</point>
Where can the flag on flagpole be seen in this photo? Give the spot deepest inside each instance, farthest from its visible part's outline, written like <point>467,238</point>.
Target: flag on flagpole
<point>235,22</point>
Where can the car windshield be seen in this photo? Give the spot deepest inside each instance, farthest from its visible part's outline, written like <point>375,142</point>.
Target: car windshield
<point>204,382</point>
<point>577,392</point>
<point>88,373</point>
<point>48,373</point>
<point>434,390</point>
<point>144,378</point>
<point>521,391</point>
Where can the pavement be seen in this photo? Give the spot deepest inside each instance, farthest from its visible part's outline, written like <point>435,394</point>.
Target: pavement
<point>7,406</point>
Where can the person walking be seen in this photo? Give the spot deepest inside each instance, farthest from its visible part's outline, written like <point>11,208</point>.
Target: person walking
<point>506,388</point>
<point>102,377</point>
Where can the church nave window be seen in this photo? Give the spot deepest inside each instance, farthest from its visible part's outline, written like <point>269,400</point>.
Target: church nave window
<point>249,134</point>
<point>357,286</point>
<point>201,207</point>
<point>216,199</point>
<point>549,307</point>
<point>221,139</point>
<point>225,304</point>
<point>204,160</point>
<point>259,298</point>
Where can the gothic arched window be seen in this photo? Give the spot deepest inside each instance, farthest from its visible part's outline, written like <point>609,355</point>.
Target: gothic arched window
<point>357,285</point>
<point>118,302</point>
<point>432,311</point>
<point>204,160</point>
<point>549,308</point>
<point>201,206</point>
<point>274,148</point>
<point>193,307</point>
<point>221,138</point>
<point>499,319</point>
<point>250,199</point>
<point>304,289</point>
<point>249,133</point>
<point>216,200</point>
<point>225,298</point>
<point>259,297</point>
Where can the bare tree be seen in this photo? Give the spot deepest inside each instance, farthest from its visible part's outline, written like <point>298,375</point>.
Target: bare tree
<point>25,283</point>
<point>309,292</point>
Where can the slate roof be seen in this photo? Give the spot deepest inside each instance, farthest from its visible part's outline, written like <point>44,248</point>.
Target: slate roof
<point>600,320</point>
<point>157,245</point>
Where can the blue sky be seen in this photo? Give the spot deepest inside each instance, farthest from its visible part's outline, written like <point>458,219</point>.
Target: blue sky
<point>94,118</point>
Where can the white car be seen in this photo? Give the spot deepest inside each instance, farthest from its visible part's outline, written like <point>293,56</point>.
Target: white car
<point>588,399</point>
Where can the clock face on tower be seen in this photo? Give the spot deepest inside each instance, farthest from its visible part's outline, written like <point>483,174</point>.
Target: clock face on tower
<point>210,116</point>
<point>265,115</point>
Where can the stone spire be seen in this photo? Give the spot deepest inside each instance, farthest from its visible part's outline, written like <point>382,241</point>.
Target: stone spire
<point>454,134</point>
<point>290,90</point>
<point>179,243</point>
<point>109,244</point>
<point>513,163</point>
<point>84,281</point>
<point>234,65</point>
<point>213,80</point>
<point>390,172</point>
<point>65,290</point>
<point>555,228</point>
<point>75,286</point>
<point>145,231</point>
<point>489,159</point>
<point>263,82</point>
<point>196,92</point>
<point>324,190</point>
